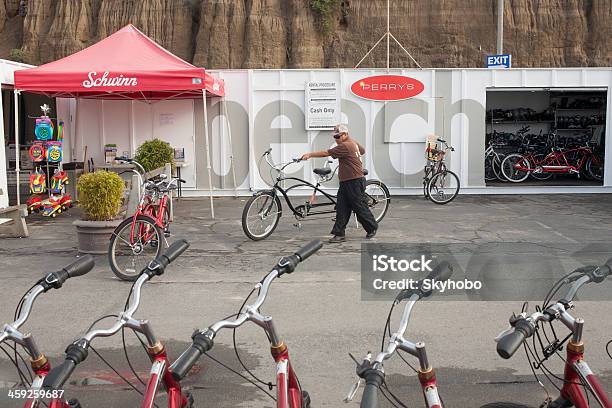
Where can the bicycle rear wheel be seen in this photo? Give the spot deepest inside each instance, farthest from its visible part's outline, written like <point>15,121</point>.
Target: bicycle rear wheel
<point>443,187</point>
<point>133,245</point>
<point>595,168</point>
<point>378,198</point>
<point>260,215</point>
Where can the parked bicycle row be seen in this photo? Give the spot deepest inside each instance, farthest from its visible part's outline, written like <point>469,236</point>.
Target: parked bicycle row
<point>541,158</point>
<point>45,384</point>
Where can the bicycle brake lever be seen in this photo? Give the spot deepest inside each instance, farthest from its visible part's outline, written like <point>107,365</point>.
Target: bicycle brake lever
<point>353,391</point>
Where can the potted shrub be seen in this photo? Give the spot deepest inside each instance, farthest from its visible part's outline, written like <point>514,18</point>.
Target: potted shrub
<point>155,153</point>
<point>100,197</point>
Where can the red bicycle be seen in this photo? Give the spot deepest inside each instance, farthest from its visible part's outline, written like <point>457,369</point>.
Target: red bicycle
<point>38,361</point>
<point>139,238</point>
<point>578,380</point>
<point>517,167</point>
<point>77,352</point>
<point>372,372</point>
<point>289,393</point>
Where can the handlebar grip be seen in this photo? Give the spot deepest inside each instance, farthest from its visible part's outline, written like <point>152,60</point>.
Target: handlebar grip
<point>175,250</point>
<point>507,345</point>
<point>80,267</point>
<point>369,398</point>
<point>374,379</point>
<point>58,376</point>
<point>442,271</point>
<point>181,180</point>
<point>183,364</point>
<point>310,248</point>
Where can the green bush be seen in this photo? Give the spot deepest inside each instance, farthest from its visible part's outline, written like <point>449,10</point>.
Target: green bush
<point>324,10</point>
<point>100,195</point>
<point>155,153</point>
<point>17,55</point>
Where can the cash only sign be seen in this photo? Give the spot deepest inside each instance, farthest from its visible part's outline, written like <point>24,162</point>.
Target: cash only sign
<point>322,105</point>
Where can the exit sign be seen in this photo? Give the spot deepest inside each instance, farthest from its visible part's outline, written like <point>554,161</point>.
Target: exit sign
<point>499,61</point>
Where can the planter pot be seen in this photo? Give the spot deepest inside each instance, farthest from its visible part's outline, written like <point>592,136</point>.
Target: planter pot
<point>93,236</point>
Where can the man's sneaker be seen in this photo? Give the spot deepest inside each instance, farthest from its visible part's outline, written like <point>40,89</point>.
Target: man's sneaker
<point>336,239</point>
<point>371,235</point>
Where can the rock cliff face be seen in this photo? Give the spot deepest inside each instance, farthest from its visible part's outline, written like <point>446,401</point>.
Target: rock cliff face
<point>294,34</point>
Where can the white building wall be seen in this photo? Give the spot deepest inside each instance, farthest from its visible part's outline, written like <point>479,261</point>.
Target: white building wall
<point>266,109</point>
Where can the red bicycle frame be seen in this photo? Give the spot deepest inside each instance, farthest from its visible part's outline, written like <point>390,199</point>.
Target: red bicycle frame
<point>160,373</point>
<point>557,161</point>
<point>576,373</point>
<point>41,368</point>
<point>153,211</point>
<point>288,391</point>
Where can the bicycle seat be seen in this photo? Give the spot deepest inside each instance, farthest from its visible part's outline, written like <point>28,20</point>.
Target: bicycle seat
<point>322,171</point>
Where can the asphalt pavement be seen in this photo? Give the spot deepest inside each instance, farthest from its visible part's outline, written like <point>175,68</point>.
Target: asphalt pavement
<point>317,310</point>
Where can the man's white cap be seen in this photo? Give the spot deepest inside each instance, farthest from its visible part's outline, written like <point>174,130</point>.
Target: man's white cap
<point>341,128</point>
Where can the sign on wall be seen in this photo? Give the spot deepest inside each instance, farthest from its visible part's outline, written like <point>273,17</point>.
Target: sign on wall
<point>387,88</point>
<point>499,61</point>
<point>322,105</point>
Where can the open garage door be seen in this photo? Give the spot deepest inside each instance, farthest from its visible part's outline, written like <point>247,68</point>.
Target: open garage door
<point>545,137</point>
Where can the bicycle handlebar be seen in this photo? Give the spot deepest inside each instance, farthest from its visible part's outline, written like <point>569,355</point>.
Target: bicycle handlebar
<point>53,280</point>
<point>523,327</point>
<point>77,351</point>
<point>203,340</point>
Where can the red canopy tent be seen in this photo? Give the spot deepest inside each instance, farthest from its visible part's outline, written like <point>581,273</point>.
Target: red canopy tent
<point>124,65</point>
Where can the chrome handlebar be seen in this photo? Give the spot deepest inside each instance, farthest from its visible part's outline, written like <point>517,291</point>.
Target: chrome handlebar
<point>125,318</point>
<point>251,312</point>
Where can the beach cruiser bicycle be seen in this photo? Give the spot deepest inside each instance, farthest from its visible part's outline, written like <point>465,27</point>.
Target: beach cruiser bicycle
<point>440,185</point>
<point>263,210</point>
<point>372,371</point>
<point>38,361</point>
<point>140,237</point>
<point>581,388</point>
<point>289,393</point>
<point>77,352</point>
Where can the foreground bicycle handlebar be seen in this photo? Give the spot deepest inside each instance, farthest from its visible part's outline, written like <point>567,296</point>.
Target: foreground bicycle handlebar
<point>77,351</point>
<point>373,371</point>
<point>53,280</point>
<point>523,326</point>
<point>203,340</point>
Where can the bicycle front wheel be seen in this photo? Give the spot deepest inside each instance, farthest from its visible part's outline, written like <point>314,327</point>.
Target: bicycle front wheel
<point>443,187</point>
<point>515,168</point>
<point>260,215</point>
<point>134,243</point>
<point>378,198</point>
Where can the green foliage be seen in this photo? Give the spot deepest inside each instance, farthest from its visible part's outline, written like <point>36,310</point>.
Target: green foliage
<point>17,55</point>
<point>325,13</point>
<point>100,195</point>
<point>155,153</point>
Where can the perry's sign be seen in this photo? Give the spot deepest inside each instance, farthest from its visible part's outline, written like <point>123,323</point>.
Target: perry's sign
<point>387,88</point>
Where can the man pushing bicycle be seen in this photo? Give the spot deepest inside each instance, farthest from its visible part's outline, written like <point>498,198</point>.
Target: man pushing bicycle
<point>351,194</point>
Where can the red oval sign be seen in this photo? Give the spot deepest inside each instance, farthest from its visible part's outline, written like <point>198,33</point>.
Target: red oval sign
<point>387,87</point>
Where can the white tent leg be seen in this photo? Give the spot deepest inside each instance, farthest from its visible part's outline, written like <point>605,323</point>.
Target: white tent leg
<point>231,146</point>
<point>208,164</point>
<point>16,93</point>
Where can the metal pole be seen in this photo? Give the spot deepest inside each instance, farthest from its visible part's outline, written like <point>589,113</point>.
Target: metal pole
<point>231,146</point>
<point>208,165</point>
<point>500,26</point>
<point>16,93</point>
<point>388,35</point>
